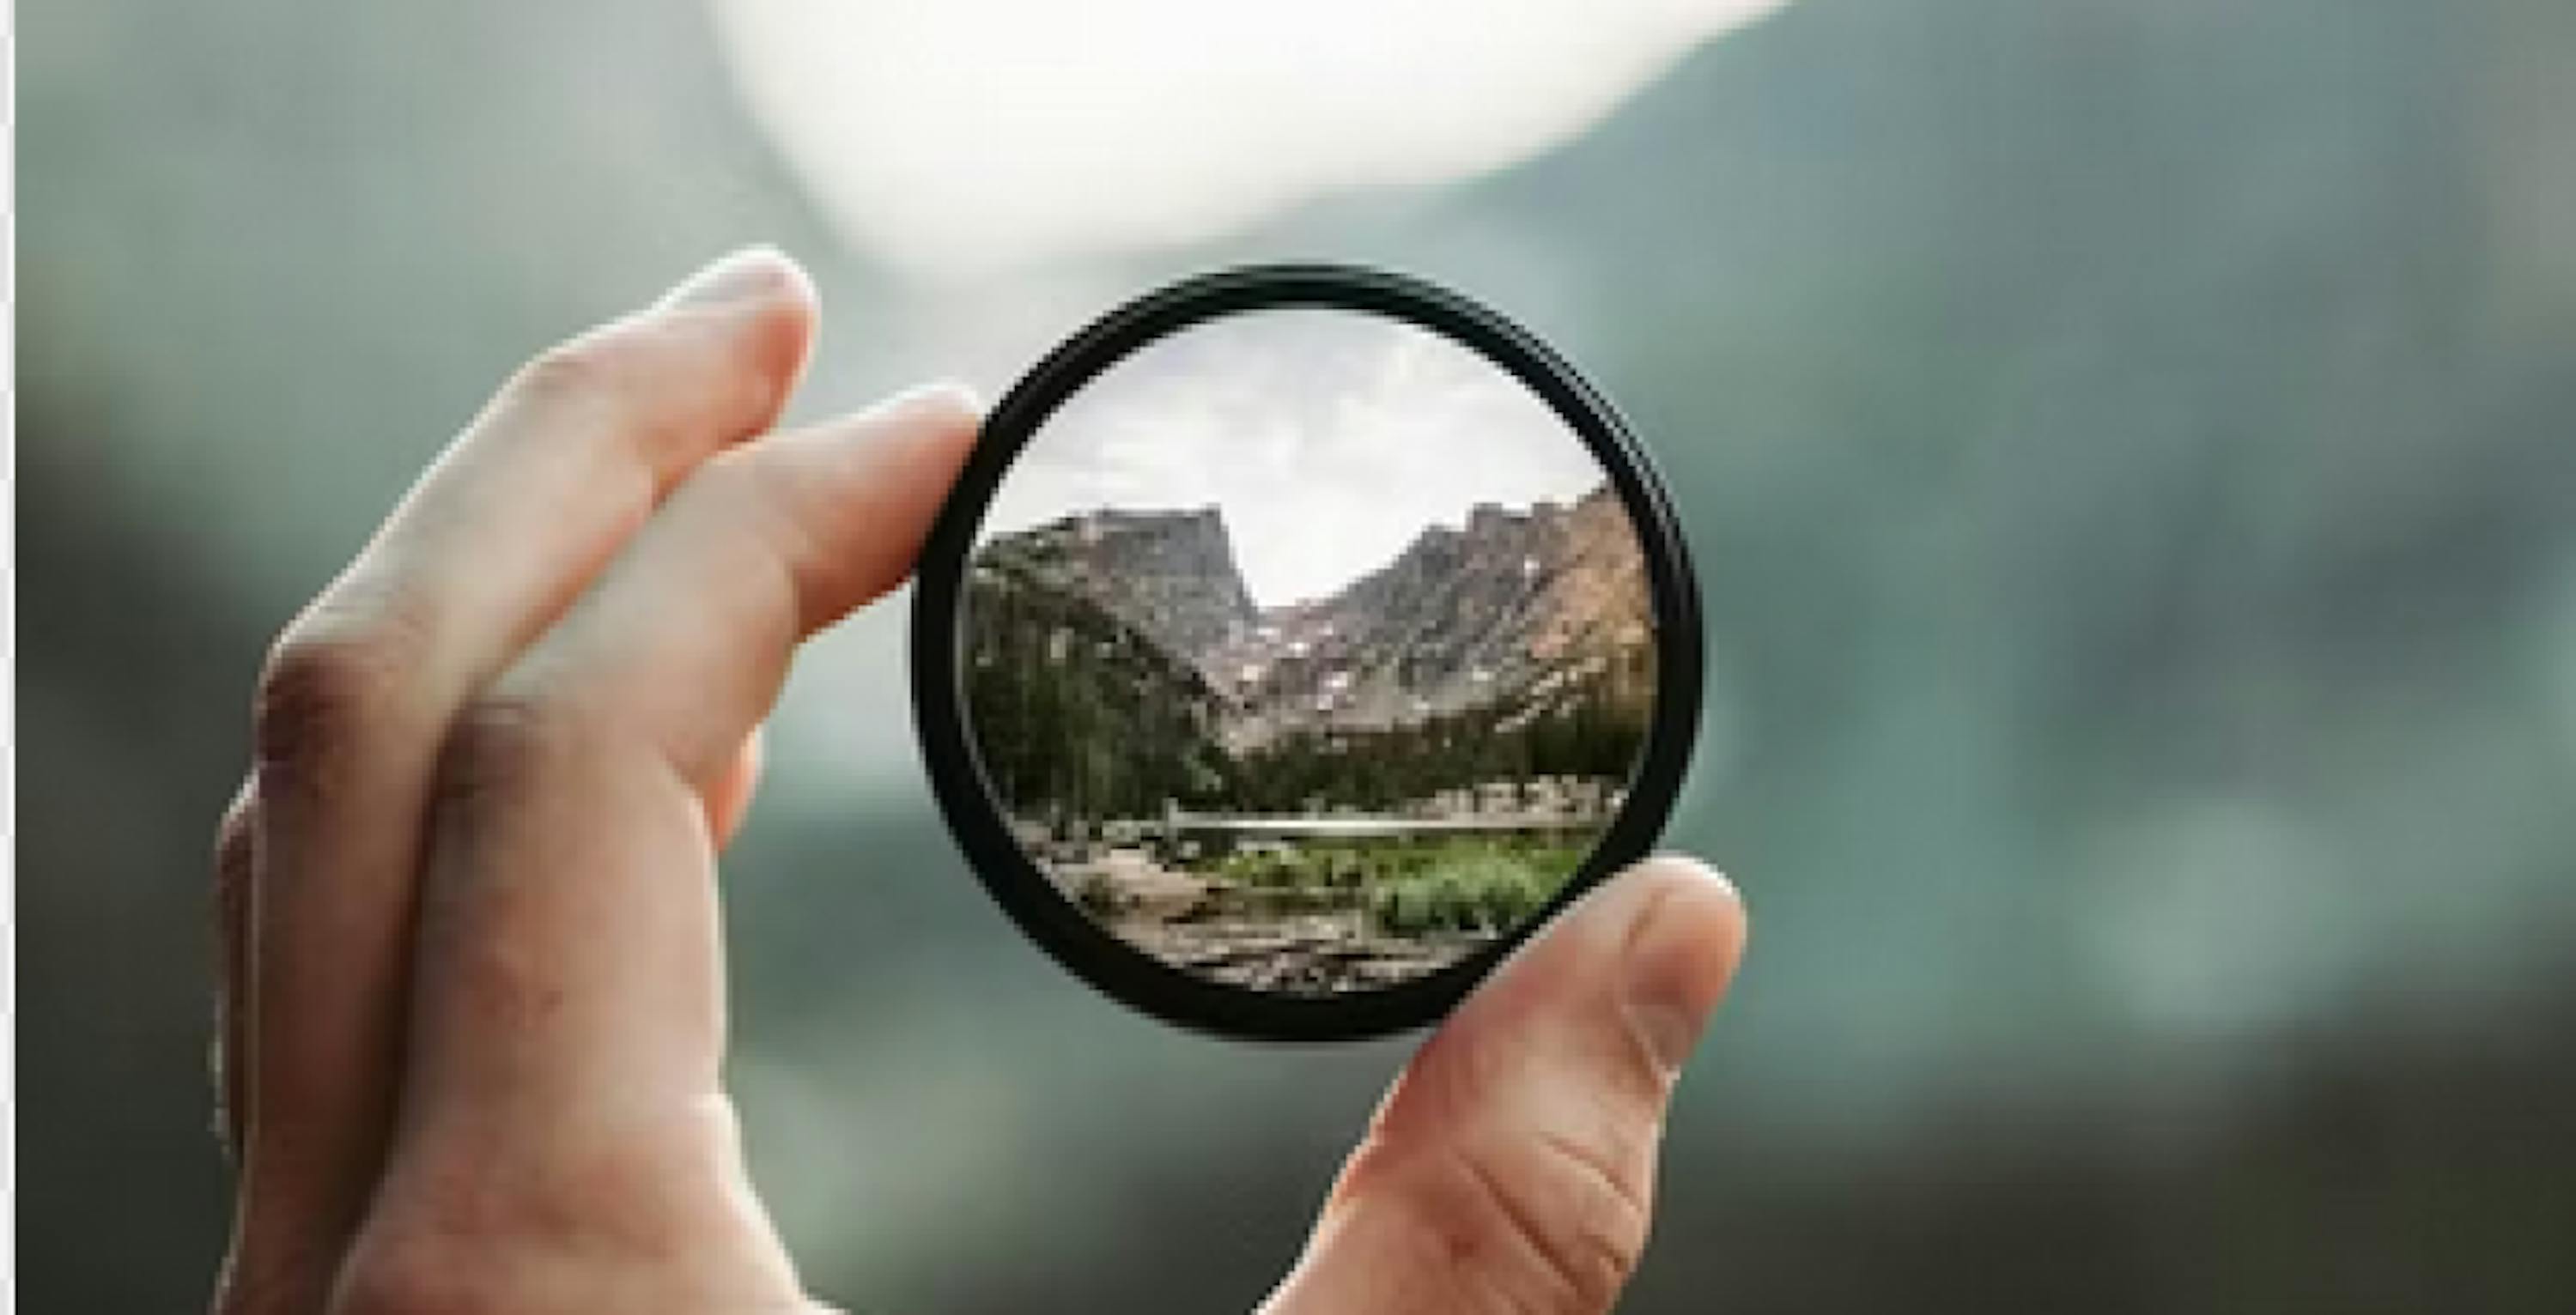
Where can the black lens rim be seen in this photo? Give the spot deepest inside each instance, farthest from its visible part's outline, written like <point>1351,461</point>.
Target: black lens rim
<point>1091,951</point>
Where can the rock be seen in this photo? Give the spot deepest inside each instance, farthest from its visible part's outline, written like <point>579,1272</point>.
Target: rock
<point>1170,574</point>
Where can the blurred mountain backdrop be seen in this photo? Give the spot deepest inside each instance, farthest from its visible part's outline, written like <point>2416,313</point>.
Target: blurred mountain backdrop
<point>2130,452</point>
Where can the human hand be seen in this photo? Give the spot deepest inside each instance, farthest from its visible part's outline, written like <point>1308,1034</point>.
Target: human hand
<point>472,1016</point>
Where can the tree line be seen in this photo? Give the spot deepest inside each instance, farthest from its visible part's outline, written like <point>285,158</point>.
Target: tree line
<point>1075,714</point>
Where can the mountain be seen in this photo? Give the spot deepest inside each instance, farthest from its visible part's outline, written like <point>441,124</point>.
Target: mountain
<point>1517,644</point>
<point>1513,610</point>
<point>1076,708</point>
<point>1169,574</point>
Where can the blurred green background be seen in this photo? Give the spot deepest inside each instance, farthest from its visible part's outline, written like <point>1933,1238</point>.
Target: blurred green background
<point>2131,453</point>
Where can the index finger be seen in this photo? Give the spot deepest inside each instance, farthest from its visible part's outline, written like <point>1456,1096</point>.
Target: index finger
<point>571,860</point>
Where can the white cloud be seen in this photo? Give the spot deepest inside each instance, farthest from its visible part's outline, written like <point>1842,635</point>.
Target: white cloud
<point>1328,439</point>
<point>967,136</point>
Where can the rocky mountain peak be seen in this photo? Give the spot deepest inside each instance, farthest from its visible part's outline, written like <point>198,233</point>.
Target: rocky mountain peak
<point>1170,574</point>
<point>1118,660</point>
<point>1514,609</point>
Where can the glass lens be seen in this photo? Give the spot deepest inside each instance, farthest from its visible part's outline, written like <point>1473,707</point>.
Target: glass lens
<point>1307,650</point>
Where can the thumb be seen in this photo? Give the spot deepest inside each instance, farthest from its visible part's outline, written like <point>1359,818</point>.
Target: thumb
<point>1512,1166</point>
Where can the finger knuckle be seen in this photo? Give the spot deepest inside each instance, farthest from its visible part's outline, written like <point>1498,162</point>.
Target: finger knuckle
<point>328,687</point>
<point>501,745</point>
<point>1581,1228</point>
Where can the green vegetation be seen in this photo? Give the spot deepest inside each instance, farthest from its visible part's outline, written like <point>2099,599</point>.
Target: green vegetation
<point>1592,734</point>
<point>1490,891</point>
<point>1413,887</point>
<point>1077,715</point>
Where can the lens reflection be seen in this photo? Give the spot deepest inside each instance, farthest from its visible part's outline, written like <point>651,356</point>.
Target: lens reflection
<point>1308,650</point>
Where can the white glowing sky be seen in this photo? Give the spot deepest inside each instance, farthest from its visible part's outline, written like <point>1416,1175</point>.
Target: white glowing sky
<point>968,137</point>
<point>1328,439</point>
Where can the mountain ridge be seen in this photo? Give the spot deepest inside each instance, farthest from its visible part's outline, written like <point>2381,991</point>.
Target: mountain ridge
<point>1530,628</point>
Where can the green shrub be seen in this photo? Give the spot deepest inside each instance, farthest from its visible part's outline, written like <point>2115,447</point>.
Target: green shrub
<point>1411,887</point>
<point>1469,888</point>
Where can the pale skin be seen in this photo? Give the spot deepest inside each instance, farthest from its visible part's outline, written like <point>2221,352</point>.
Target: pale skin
<point>473,1021</point>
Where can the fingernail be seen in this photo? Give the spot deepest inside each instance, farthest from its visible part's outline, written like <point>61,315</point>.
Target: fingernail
<point>750,276</point>
<point>1680,954</point>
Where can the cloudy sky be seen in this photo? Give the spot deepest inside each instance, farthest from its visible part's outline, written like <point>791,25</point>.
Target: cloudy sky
<point>1329,439</point>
